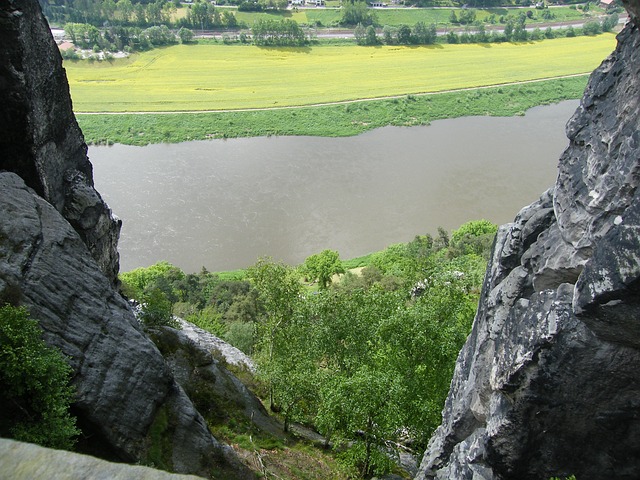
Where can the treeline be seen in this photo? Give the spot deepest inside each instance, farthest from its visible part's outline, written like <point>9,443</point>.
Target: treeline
<point>124,38</point>
<point>201,14</point>
<point>278,33</point>
<point>365,356</point>
<point>514,31</point>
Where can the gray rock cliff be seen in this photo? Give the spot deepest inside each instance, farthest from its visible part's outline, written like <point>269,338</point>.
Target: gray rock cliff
<point>128,403</point>
<point>58,258</point>
<point>547,383</point>
<point>24,461</point>
<point>39,137</point>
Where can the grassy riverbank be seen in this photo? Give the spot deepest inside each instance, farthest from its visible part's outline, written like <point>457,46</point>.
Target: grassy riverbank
<point>328,121</point>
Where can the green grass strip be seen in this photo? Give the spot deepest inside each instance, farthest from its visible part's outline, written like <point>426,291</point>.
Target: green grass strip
<point>328,121</point>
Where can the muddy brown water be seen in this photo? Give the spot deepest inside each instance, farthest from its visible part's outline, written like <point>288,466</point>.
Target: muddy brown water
<point>224,203</point>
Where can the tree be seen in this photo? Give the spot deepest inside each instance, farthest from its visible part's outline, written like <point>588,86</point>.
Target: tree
<point>361,412</point>
<point>508,29</point>
<point>355,12</point>
<point>610,22</point>
<point>423,35</point>
<point>185,35</point>
<point>388,33</point>
<point>285,32</point>
<point>357,407</point>
<point>404,35</point>
<point>322,266</point>
<point>359,33</point>
<point>592,27</point>
<point>279,290</point>
<point>467,16</point>
<point>371,38</point>
<point>125,9</point>
<point>421,344</point>
<point>34,384</point>
<point>156,310</point>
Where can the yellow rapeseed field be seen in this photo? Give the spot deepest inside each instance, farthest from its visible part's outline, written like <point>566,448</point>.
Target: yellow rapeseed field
<point>223,77</point>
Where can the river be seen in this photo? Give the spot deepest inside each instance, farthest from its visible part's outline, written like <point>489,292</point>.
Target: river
<point>223,203</point>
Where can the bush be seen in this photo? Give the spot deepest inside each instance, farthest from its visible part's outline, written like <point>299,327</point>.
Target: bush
<point>610,22</point>
<point>242,336</point>
<point>34,384</point>
<point>591,28</point>
<point>157,310</point>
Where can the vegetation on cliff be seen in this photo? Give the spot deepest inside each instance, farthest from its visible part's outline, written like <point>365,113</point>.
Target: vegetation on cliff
<point>363,357</point>
<point>34,384</point>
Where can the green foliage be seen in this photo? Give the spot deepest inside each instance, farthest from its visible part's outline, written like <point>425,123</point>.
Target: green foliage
<point>156,310</point>
<point>35,394</point>
<point>356,12</point>
<point>241,335</point>
<point>475,237</point>
<point>361,411</point>
<point>279,291</point>
<point>280,33</point>
<point>322,267</point>
<point>360,360</point>
<point>208,319</point>
<point>610,22</point>
<point>185,35</point>
<point>135,282</point>
<point>159,452</point>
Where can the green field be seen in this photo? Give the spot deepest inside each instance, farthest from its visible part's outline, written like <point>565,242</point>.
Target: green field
<point>409,16</point>
<point>221,77</point>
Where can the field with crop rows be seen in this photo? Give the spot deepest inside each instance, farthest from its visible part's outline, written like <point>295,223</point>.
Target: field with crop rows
<point>221,77</point>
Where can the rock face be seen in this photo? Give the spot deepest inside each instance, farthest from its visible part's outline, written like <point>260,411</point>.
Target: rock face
<point>218,394</point>
<point>547,383</point>
<point>24,461</point>
<point>58,258</point>
<point>209,342</point>
<point>128,404</point>
<point>39,137</point>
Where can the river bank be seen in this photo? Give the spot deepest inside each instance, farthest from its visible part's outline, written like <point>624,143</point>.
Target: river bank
<point>336,120</point>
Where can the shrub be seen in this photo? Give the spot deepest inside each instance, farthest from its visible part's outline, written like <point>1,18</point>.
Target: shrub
<point>34,380</point>
<point>157,310</point>
<point>242,336</point>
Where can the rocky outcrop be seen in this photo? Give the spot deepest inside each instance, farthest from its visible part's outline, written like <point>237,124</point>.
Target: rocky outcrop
<point>58,258</point>
<point>547,383</point>
<point>217,393</point>
<point>128,404</point>
<point>231,355</point>
<point>24,461</point>
<point>39,137</point>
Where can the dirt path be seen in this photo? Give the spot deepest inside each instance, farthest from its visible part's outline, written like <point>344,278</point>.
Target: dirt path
<point>342,102</point>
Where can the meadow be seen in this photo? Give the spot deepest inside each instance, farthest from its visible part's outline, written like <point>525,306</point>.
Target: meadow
<point>233,77</point>
<point>328,17</point>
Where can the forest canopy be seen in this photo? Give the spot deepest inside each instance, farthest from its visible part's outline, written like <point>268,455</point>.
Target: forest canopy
<point>363,351</point>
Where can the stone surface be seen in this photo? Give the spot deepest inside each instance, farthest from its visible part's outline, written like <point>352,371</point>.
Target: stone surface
<point>547,383</point>
<point>24,461</point>
<point>39,137</point>
<point>217,393</point>
<point>128,403</point>
<point>218,347</point>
